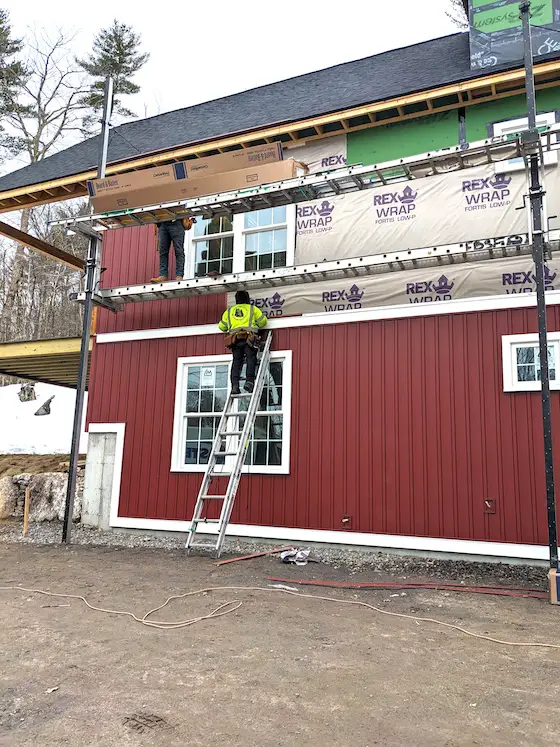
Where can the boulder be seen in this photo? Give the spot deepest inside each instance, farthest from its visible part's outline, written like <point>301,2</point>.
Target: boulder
<point>27,393</point>
<point>48,495</point>
<point>8,497</point>
<point>45,408</point>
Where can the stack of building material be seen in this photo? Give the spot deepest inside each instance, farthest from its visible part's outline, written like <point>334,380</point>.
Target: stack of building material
<point>224,172</point>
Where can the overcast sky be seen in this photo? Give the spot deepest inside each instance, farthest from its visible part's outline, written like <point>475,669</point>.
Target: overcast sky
<point>205,50</point>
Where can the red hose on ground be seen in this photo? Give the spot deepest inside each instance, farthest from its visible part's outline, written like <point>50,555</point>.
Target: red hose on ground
<point>513,591</point>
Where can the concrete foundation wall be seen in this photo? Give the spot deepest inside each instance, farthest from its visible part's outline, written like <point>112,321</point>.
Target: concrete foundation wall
<point>98,482</point>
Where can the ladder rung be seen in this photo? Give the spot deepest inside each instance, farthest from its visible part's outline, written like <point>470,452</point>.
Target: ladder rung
<point>225,434</point>
<point>243,394</point>
<point>219,474</point>
<point>226,453</point>
<point>235,414</point>
<point>207,521</point>
<point>213,497</point>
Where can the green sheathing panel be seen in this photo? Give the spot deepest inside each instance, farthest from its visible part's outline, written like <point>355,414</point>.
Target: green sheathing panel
<point>401,139</point>
<point>479,116</point>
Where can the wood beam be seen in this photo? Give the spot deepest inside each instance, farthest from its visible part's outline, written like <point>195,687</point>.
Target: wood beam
<point>38,245</point>
<point>70,381</point>
<point>34,348</point>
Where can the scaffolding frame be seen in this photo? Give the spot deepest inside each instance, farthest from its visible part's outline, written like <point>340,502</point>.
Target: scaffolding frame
<point>322,185</point>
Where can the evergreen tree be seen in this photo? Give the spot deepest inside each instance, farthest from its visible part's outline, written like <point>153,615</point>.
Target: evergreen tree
<point>12,78</point>
<point>116,52</point>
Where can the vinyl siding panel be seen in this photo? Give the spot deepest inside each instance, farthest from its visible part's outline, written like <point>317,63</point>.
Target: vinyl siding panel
<point>400,425</point>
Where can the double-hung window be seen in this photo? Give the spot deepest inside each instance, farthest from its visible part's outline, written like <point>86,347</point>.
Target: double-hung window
<point>265,239</point>
<point>258,240</point>
<point>201,393</point>
<point>521,362</point>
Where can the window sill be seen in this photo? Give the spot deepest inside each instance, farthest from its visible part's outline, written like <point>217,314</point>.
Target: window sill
<point>529,386</point>
<point>255,470</point>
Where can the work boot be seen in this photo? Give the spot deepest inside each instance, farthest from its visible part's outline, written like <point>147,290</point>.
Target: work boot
<point>249,386</point>
<point>235,389</point>
<point>160,279</point>
<point>179,277</point>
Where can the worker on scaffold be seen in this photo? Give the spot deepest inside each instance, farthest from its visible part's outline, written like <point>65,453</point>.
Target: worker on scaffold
<point>241,324</point>
<point>168,232</point>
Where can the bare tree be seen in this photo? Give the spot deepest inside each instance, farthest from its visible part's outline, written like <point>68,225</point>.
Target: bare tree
<point>42,307</point>
<point>49,105</point>
<point>458,13</point>
<point>44,113</point>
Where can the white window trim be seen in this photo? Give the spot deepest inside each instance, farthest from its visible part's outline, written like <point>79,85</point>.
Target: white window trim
<point>508,126</point>
<point>177,461</point>
<point>239,233</point>
<point>510,343</point>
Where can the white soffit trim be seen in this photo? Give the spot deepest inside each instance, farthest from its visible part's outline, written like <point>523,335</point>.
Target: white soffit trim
<point>403,311</point>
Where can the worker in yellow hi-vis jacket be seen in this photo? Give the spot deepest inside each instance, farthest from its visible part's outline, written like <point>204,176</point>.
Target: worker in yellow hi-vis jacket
<point>241,324</point>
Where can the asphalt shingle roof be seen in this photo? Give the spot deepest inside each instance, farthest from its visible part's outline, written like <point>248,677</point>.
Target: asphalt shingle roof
<point>397,72</point>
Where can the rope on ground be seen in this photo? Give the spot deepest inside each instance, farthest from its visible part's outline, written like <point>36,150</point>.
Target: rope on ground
<point>232,606</point>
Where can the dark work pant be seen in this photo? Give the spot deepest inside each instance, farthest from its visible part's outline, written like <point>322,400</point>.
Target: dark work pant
<point>167,233</point>
<point>241,352</point>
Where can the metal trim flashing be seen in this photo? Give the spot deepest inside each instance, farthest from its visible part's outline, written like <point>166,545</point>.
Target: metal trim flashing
<point>404,311</point>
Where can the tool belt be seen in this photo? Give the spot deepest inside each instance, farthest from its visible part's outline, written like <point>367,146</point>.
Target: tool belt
<point>243,335</point>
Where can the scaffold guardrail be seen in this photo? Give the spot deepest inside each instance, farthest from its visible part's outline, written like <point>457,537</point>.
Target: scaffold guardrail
<point>376,264</point>
<point>322,185</point>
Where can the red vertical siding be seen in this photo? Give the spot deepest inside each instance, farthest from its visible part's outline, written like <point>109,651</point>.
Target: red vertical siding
<point>402,425</point>
<point>130,257</point>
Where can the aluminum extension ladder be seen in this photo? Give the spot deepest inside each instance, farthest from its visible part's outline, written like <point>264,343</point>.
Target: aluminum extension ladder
<point>236,443</point>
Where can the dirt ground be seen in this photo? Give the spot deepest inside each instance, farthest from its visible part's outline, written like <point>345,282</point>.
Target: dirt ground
<point>279,671</point>
<point>34,464</point>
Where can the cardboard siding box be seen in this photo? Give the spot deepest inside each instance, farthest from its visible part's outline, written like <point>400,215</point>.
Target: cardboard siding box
<point>171,184</point>
<point>236,159</point>
<point>119,191</point>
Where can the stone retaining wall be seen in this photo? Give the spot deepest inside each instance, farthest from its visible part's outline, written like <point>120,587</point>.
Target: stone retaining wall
<point>48,495</point>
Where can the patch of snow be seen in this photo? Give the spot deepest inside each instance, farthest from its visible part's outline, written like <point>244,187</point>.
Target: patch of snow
<point>23,432</point>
